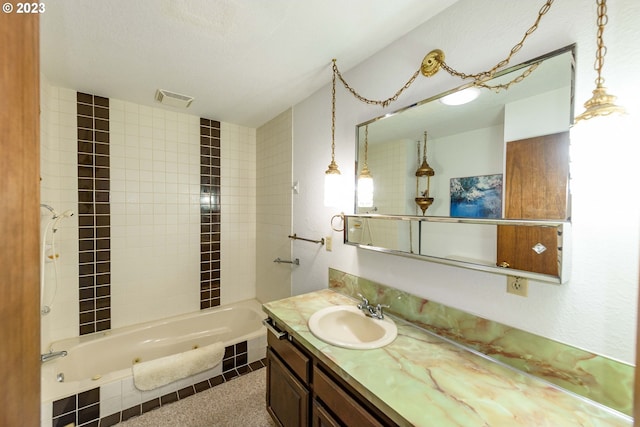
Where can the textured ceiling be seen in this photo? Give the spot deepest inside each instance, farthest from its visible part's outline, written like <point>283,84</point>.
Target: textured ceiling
<point>244,61</point>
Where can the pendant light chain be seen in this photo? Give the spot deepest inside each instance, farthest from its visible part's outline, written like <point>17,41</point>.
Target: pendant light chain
<point>385,102</point>
<point>333,119</point>
<point>479,78</point>
<point>486,75</point>
<point>601,50</point>
<point>366,146</point>
<point>518,79</point>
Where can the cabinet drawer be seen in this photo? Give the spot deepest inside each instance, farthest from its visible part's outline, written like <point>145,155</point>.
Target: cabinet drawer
<point>296,360</point>
<point>345,408</point>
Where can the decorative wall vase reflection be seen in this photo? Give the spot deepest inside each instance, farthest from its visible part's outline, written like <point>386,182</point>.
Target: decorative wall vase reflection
<point>476,196</point>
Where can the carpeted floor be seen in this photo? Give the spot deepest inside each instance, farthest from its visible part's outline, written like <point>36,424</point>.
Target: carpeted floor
<point>236,403</point>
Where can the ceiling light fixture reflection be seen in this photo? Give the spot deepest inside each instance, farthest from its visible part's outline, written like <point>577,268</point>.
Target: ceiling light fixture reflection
<point>461,97</point>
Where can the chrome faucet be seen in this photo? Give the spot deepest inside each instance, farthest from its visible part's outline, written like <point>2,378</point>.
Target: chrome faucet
<point>374,311</point>
<point>52,355</point>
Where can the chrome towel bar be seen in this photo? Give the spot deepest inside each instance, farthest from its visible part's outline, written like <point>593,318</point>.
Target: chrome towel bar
<point>282,261</point>
<point>294,236</point>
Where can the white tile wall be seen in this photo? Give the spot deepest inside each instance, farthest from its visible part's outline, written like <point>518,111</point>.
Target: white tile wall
<point>155,220</point>
<point>58,167</point>
<point>155,223</point>
<point>238,199</point>
<point>274,199</point>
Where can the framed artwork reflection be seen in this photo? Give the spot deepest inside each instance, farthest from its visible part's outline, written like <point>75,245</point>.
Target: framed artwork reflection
<point>476,196</point>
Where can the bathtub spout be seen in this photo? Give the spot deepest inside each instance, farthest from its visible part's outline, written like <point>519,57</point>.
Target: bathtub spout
<point>52,355</point>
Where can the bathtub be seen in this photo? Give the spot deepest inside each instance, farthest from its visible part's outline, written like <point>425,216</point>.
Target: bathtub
<point>104,360</point>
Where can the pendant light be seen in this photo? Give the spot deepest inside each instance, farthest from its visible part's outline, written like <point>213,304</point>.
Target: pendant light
<point>601,103</point>
<point>365,179</point>
<point>332,177</point>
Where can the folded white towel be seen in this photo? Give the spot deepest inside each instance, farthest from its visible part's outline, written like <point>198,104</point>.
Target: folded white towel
<point>165,370</point>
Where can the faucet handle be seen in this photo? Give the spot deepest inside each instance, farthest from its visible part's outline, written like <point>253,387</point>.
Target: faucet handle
<point>379,313</point>
<point>364,303</point>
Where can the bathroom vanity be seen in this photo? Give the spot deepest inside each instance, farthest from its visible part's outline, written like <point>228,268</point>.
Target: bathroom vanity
<point>420,379</point>
<point>302,391</point>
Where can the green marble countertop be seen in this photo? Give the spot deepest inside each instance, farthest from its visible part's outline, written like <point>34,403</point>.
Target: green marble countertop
<point>424,380</point>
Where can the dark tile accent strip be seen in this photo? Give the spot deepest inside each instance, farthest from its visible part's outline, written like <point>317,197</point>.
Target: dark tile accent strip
<point>233,372</point>
<point>131,412</point>
<point>110,420</point>
<point>93,214</point>
<point>209,213</point>
<point>82,409</point>
<point>150,405</point>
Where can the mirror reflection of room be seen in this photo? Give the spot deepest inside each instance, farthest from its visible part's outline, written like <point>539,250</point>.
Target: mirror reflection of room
<point>499,152</point>
<point>464,140</point>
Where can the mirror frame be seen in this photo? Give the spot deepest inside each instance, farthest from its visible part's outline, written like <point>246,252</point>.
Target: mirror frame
<point>563,226</point>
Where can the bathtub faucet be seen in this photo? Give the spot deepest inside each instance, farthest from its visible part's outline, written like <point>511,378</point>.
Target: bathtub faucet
<point>52,355</point>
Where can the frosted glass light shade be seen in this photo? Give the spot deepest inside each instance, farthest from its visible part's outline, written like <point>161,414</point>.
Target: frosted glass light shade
<point>365,192</point>
<point>332,189</point>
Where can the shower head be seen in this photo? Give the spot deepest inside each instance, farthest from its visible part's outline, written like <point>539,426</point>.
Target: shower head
<point>58,217</point>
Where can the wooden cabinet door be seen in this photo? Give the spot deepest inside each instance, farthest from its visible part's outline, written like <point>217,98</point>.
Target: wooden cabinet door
<point>287,398</point>
<point>536,186</point>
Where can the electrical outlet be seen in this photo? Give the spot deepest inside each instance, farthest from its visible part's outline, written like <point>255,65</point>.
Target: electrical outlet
<point>328,243</point>
<point>517,285</point>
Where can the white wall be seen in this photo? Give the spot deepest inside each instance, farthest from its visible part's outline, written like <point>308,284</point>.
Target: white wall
<point>596,310</point>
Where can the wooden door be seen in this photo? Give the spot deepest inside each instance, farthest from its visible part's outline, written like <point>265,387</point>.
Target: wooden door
<point>19,220</point>
<point>536,186</point>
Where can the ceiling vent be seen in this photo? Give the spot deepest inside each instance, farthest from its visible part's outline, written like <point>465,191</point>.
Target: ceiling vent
<point>173,99</point>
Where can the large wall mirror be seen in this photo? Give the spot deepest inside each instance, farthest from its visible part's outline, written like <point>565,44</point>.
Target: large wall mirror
<point>482,184</point>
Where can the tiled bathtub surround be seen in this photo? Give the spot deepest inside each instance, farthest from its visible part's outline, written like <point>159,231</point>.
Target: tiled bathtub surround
<point>603,380</point>
<point>155,220</point>
<point>93,214</point>
<point>210,208</point>
<point>118,401</point>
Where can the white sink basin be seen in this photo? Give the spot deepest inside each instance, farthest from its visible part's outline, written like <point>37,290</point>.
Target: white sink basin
<point>347,326</point>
